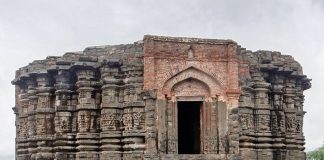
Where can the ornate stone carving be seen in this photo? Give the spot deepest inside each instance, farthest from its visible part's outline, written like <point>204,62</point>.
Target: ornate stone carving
<point>138,118</point>
<point>110,121</point>
<point>274,122</point>
<point>128,121</point>
<point>264,122</point>
<point>212,145</point>
<point>44,124</point>
<point>281,123</point>
<point>246,121</point>
<point>172,145</point>
<point>85,121</point>
<point>23,128</point>
<point>43,102</point>
<point>31,126</point>
<point>63,122</point>
<point>121,102</point>
<point>299,125</point>
<point>291,123</point>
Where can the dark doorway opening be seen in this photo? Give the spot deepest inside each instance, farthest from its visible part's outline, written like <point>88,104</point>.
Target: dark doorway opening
<point>189,127</point>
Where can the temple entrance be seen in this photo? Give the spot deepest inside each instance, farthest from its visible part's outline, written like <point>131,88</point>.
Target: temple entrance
<point>189,127</point>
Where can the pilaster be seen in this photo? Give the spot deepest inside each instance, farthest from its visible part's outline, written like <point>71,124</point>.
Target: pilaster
<point>45,117</point>
<point>65,144</point>
<point>88,114</point>
<point>111,111</point>
<point>133,113</point>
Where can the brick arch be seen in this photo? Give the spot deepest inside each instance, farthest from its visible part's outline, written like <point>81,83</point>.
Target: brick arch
<point>191,87</point>
<point>192,73</point>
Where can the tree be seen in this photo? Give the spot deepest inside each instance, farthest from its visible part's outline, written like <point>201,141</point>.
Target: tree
<point>317,154</point>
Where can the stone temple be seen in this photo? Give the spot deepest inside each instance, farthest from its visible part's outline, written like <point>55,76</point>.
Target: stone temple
<point>162,98</point>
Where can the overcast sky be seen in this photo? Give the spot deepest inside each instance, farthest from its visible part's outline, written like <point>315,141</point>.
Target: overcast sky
<point>31,30</point>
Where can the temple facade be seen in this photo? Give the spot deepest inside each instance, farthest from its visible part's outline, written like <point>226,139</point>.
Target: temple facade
<point>162,98</point>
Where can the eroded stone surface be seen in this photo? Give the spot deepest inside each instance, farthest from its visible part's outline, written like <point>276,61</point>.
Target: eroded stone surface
<point>120,102</point>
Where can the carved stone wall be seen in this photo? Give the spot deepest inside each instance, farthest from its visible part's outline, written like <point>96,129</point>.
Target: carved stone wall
<point>271,106</point>
<point>120,102</point>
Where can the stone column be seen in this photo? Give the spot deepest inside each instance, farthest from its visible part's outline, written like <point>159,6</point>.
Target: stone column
<point>150,126</point>
<point>162,123</point>
<point>262,116</point>
<point>65,139</point>
<point>32,106</point>
<point>45,117</point>
<point>290,117</point>
<point>246,118</point>
<point>210,117</point>
<point>232,137</point>
<point>16,110</point>
<point>277,115</point>
<point>172,135</point>
<point>87,136</point>
<point>299,102</point>
<point>111,111</point>
<point>22,124</point>
<point>133,114</point>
